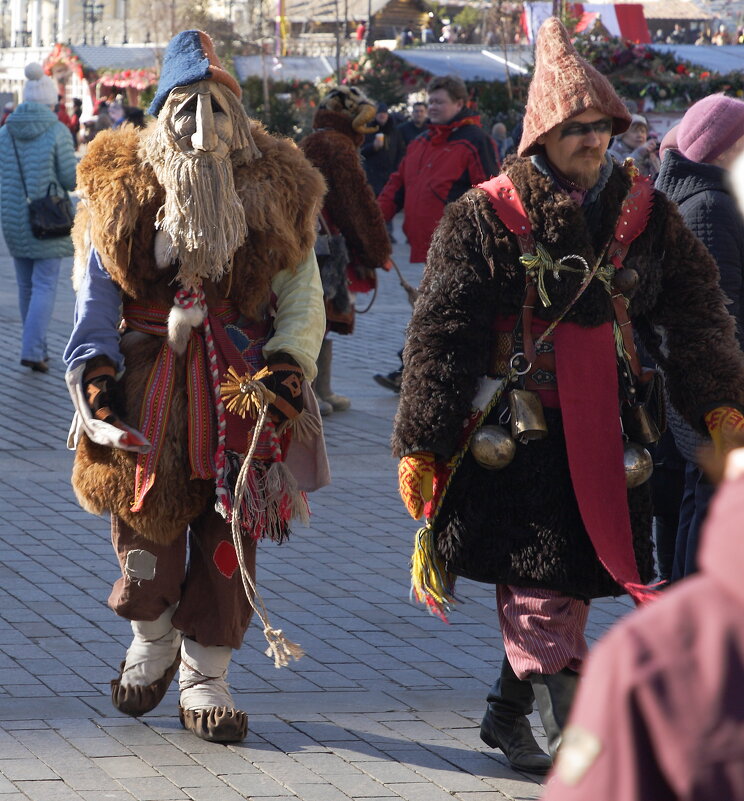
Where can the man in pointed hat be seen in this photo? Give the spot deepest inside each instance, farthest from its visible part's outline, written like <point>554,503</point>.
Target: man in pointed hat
<point>534,283</point>
<point>198,297</point>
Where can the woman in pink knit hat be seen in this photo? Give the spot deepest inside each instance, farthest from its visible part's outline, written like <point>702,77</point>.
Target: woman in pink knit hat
<point>694,175</point>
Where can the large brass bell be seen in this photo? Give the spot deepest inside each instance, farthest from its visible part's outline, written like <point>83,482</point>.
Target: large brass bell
<point>638,464</point>
<point>492,447</point>
<point>527,417</point>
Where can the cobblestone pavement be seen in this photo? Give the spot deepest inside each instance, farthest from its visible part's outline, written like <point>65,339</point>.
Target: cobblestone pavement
<point>387,701</point>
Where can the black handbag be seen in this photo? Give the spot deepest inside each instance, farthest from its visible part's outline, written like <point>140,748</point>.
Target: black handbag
<point>333,257</point>
<point>52,215</point>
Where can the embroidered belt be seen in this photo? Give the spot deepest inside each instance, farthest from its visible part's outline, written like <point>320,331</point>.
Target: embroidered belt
<point>156,404</point>
<point>507,341</point>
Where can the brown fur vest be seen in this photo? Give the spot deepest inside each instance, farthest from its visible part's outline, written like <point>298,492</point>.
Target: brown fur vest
<point>282,195</point>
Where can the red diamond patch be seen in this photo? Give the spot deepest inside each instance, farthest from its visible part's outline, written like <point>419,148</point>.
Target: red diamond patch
<point>226,558</point>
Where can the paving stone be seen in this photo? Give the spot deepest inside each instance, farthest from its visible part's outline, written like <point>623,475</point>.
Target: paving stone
<point>255,786</point>
<point>20,769</point>
<point>152,789</point>
<point>48,791</point>
<point>190,776</point>
<point>122,767</point>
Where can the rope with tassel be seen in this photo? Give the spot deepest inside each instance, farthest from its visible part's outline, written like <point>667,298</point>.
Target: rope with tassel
<point>247,395</point>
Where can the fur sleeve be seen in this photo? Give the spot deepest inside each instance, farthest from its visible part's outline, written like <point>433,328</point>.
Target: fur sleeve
<point>449,337</point>
<point>703,362</point>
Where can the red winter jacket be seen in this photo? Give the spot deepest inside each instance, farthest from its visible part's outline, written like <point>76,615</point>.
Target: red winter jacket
<point>439,167</point>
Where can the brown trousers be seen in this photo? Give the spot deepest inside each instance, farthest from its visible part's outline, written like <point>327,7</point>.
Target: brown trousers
<point>212,604</point>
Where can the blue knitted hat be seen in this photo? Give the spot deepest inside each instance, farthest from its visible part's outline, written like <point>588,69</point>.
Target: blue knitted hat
<point>189,58</point>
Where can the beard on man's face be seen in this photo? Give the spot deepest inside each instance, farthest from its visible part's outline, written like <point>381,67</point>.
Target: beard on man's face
<point>586,166</point>
<point>202,213</point>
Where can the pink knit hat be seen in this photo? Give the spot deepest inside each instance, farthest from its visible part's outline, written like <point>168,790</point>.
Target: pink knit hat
<point>564,85</point>
<point>669,140</point>
<point>710,127</point>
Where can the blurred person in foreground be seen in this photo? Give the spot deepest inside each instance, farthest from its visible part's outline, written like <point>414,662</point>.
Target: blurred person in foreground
<point>533,285</point>
<point>35,149</point>
<point>659,715</point>
<point>695,175</point>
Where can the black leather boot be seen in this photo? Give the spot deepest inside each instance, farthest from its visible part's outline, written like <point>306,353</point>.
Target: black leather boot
<point>505,723</point>
<point>554,693</point>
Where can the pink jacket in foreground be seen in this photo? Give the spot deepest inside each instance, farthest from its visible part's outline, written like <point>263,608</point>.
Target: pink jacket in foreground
<point>660,711</point>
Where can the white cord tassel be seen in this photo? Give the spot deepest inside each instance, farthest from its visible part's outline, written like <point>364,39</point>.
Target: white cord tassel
<point>280,648</point>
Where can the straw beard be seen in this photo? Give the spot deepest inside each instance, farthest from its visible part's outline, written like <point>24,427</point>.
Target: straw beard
<point>202,213</point>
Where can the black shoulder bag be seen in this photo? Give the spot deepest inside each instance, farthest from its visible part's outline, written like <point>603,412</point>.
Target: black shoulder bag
<point>51,216</point>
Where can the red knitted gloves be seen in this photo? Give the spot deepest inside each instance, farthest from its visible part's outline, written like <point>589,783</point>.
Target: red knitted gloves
<point>416,481</point>
<point>726,426</point>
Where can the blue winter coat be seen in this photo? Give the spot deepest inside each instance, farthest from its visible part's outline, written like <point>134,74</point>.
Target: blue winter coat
<point>46,154</point>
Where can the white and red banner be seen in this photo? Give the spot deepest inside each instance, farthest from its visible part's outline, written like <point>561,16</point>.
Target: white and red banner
<point>625,20</point>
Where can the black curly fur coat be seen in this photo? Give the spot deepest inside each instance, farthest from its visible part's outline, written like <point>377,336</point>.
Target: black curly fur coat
<point>521,525</point>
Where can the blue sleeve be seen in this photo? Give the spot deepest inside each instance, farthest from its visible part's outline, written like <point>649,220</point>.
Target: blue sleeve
<point>66,162</point>
<point>97,313</point>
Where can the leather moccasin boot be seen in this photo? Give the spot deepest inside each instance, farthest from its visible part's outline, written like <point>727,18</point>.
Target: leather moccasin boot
<point>149,667</point>
<point>206,707</point>
<point>505,724</point>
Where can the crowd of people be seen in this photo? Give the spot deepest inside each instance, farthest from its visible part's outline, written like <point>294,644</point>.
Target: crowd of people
<point>706,35</point>
<point>582,287</point>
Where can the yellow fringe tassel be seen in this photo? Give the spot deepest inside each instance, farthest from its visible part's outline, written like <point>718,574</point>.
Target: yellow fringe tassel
<point>431,584</point>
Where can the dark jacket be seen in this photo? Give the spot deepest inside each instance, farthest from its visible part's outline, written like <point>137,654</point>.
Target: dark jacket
<point>521,525</point>
<point>439,167</point>
<point>409,131</point>
<point>659,709</point>
<point>702,194</point>
<point>380,164</point>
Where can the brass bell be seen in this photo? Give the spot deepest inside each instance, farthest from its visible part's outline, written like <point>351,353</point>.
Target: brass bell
<point>492,447</point>
<point>527,417</point>
<point>638,464</point>
<point>639,425</point>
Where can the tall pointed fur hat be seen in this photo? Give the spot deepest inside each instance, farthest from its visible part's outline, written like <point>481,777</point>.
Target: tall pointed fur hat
<point>190,58</point>
<point>564,85</point>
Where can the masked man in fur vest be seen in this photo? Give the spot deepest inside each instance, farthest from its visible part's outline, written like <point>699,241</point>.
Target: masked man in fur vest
<point>198,297</point>
<point>534,283</point>
<point>349,262</point>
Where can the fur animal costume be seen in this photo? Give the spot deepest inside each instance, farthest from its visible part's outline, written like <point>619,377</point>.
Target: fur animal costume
<point>350,205</point>
<point>521,525</point>
<point>281,195</point>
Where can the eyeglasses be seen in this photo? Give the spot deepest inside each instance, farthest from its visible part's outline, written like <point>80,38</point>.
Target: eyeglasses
<point>585,128</point>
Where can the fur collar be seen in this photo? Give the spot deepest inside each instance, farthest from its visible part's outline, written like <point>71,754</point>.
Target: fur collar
<point>281,193</point>
<point>565,228</point>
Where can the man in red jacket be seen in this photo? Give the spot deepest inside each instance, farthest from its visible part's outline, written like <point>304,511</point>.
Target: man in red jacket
<point>452,156</point>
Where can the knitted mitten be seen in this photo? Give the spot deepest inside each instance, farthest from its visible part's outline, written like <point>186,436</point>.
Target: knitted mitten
<point>416,481</point>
